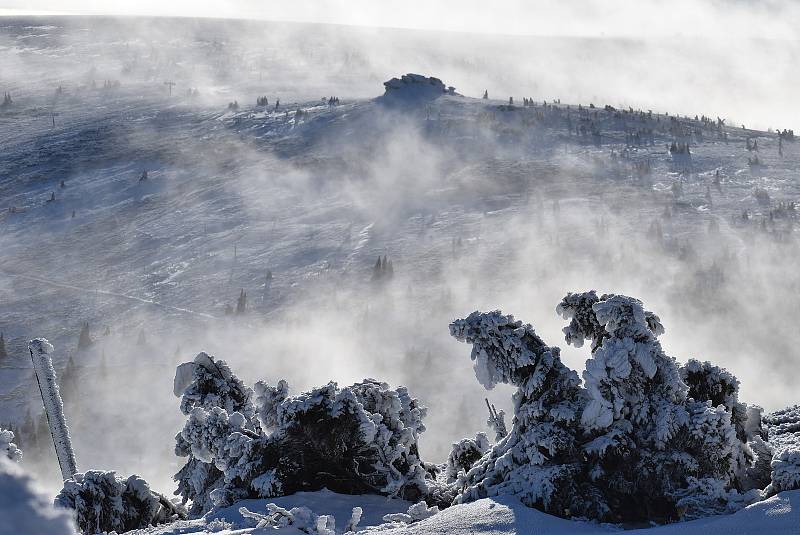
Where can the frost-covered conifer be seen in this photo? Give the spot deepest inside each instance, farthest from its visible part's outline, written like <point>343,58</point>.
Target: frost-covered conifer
<point>783,427</point>
<point>708,382</point>
<point>7,448</point>
<point>205,384</point>
<point>104,502</point>
<point>360,439</point>
<point>651,436</point>
<point>539,458</point>
<point>634,443</point>
<point>464,454</point>
<point>84,338</point>
<point>268,399</point>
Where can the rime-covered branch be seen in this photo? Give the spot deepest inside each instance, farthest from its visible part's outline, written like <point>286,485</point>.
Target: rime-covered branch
<point>40,350</point>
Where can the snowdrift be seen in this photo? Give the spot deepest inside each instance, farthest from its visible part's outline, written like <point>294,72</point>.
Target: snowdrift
<point>496,516</point>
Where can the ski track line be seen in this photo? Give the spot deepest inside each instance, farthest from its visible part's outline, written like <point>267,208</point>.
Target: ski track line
<point>112,294</point>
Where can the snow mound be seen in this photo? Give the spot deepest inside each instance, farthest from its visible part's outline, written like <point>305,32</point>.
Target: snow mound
<point>24,510</point>
<point>496,516</point>
<point>414,87</point>
<point>508,516</point>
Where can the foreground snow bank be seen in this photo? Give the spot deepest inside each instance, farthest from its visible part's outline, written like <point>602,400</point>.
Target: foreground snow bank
<point>323,502</point>
<point>496,516</point>
<point>24,510</point>
<point>506,515</point>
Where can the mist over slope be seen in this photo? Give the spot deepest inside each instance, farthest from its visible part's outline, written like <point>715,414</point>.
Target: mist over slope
<point>477,205</point>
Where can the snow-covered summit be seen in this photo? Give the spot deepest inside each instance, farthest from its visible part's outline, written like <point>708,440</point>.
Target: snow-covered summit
<point>416,86</point>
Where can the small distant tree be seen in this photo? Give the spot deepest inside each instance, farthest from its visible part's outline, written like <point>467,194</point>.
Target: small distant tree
<point>383,269</point>
<point>142,338</point>
<point>68,380</point>
<point>84,338</point>
<point>3,352</point>
<point>103,372</point>
<point>241,303</point>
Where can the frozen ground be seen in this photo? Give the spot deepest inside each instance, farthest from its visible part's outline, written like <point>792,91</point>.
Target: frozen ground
<point>478,206</point>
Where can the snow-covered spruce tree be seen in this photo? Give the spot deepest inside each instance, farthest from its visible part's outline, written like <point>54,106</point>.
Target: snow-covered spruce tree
<point>783,427</point>
<point>540,459</point>
<point>104,502</point>
<point>751,454</point>
<point>268,399</point>
<point>3,352</point>
<point>463,455</point>
<point>631,444</point>
<point>360,439</point>
<point>206,384</point>
<point>655,450</point>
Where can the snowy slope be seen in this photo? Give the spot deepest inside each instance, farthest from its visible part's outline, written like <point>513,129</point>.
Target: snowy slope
<point>479,206</point>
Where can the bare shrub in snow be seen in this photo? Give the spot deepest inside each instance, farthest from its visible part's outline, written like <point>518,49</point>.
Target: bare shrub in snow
<point>634,442</point>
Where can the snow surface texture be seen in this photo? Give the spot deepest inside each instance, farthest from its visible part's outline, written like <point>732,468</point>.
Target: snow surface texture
<point>779,515</point>
<point>104,502</point>
<point>360,439</point>
<point>631,444</point>
<point>24,510</point>
<point>40,349</point>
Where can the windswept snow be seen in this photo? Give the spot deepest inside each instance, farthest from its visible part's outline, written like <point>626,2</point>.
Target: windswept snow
<point>477,203</point>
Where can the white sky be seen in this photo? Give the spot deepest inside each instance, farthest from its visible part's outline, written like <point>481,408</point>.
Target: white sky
<point>636,18</point>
